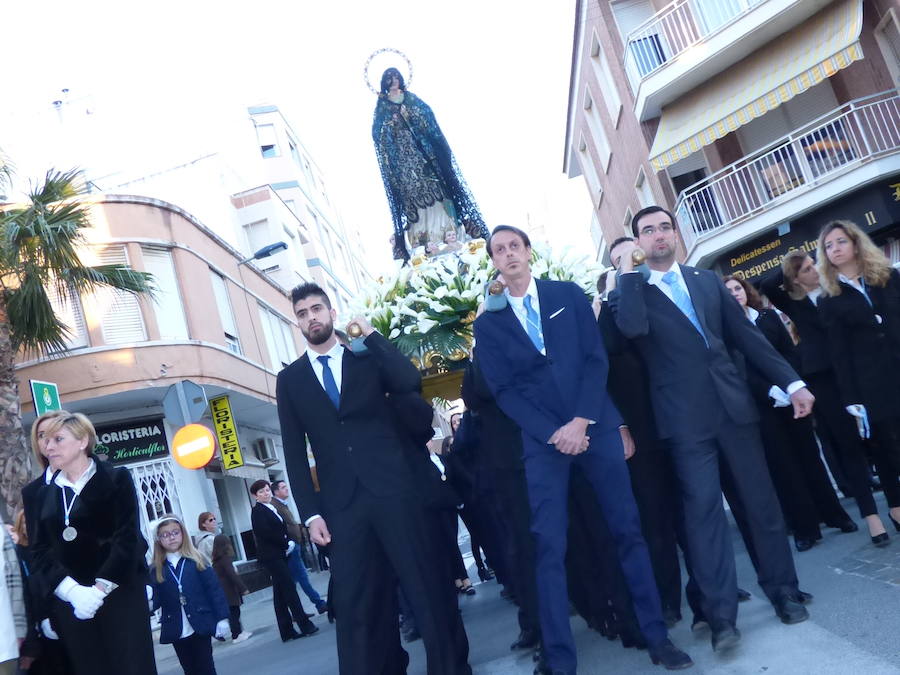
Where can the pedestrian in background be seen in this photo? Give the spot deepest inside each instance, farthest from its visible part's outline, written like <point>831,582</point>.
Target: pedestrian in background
<point>221,553</point>
<point>192,602</point>
<point>12,606</point>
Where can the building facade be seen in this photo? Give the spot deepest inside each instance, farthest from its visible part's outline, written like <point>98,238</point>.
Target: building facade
<point>755,121</point>
<point>215,321</point>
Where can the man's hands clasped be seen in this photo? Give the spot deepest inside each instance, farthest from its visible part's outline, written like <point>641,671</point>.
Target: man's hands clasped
<point>571,438</point>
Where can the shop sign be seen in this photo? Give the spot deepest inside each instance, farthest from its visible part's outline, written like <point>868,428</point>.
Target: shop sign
<point>45,396</point>
<point>226,431</point>
<point>132,441</point>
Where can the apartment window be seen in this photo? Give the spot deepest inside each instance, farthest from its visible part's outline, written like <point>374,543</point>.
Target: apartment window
<point>605,78</point>
<point>167,300</point>
<point>268,144</point>
<point>257,235</point>
<point>229,326</point>
<point>67,308</point>
<point>643,190</point>
<point>119,313</point>
<point>887,33</point>
<point>626,224</point>
<point>595,126</point>
<point>294,247</point>
<point>295,154</point>
<point>279,340</point>
<point>590,173</point>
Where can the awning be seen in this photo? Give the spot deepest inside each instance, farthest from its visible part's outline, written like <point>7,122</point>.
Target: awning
<point>789,65</point>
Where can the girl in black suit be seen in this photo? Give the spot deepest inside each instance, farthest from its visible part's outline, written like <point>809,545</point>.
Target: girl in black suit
<point>89,556</point>
<point>792,453</point>
<point>860,307</point>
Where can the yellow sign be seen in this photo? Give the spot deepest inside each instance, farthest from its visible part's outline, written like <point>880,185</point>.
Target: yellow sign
<point>223,422</point>
<point>193,446</point>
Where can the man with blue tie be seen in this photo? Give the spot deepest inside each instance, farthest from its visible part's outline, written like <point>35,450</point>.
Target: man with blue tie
<point>368,508</point>
<point>544,362</point>
<point>689,331</point>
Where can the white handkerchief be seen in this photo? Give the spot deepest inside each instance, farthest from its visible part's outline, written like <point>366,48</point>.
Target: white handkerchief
<point>556,312</point>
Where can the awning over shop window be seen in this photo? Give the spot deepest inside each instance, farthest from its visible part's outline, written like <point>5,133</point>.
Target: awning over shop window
<point>787,66</point>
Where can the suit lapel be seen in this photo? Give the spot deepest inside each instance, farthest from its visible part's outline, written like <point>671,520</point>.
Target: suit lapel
<point>548,307</point>
<point>698,295</point>
<point>315,387</point>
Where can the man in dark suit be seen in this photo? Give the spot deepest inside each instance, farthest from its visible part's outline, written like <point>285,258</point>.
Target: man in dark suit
<point>686,326</point>
<point>280,494</point>
<point>368,508</point>
<point>543,360</point>
<point>272,548</point>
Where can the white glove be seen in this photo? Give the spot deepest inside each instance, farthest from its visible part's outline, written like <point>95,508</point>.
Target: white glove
<point>222,629</point>
<point>48,631</point>
<point>862,419</point>
<point>150,597</point>
<point>86,600</point>
<point>779,396</point>
<point>290,549</point>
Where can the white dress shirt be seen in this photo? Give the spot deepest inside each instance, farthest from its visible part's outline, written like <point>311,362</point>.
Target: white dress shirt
<point>335,363</point>
<point>656,279</point>
<point>173,559</point>
<point>273,510</point>
<point>518,307</point>
<point>814,296</point>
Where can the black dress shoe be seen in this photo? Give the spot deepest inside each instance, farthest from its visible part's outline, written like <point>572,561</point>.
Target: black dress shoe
<point>803,544</point>
<point>725,637</point>
<point>743,596</point>
<point>881,540</point>
<point>790,611</point>
<point>308,628</point>
<point>321,608</point>
<point>292,636</point>
<point>802,597</point>
<point>699,623</point>
<point>896,524</point>
<point>669,656</point>
<point>527,640</point>
<point>845,526</point>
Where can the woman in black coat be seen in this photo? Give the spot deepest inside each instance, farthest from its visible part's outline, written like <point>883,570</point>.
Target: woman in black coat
<point>792,453</point>
<point>88,555</point>
<point>860,307</point>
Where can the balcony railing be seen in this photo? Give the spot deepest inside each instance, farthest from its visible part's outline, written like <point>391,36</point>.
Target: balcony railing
<point>856,132</point>
<point>674,29</point>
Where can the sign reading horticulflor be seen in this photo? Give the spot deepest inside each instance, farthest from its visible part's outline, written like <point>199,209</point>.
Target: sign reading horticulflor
<point>132,441</point>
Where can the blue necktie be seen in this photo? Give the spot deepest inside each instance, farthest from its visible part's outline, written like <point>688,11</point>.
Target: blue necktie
<point>533,325</point>
<point>328,380</point>
<point>683,301</point>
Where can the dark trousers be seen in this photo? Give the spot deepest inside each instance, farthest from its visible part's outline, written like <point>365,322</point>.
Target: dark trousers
<point>384,538</point>
<point>707,534</point>
<point>801,482</point>
<point>835,422</point>
<point>234,620</point>
<point>886,453</point>
<point>195,655</point>
<point>448,545</point>
<point>288,608</point>
<point>548,472</point>
<point>117,640</point>
<point>515,511</point>
<point>484,534</point>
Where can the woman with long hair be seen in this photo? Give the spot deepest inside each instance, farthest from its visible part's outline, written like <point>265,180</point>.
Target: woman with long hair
<point>88,555</point>
<point>792,453</point>
<point>221,553</point>
<point>860,308</point>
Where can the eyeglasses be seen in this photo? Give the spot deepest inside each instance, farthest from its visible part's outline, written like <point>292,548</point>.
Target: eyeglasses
<point>174,534</point>
<point>650,230</point>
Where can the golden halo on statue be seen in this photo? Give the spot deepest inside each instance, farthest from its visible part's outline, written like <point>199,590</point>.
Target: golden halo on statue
<point>382,59</point>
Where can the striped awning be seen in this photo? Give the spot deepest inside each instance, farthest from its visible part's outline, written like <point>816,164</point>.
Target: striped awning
<point>789,65</point>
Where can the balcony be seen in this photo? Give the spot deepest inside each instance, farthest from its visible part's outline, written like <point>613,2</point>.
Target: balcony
<point>689,41</point>
<point>769,182</point>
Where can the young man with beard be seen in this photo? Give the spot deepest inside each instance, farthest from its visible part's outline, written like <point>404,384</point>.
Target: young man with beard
<point>368,509</point>
<point>689,329</point>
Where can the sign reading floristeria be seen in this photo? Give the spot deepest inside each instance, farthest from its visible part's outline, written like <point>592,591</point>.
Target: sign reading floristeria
<point>132,441</point>
<point>226,431</point>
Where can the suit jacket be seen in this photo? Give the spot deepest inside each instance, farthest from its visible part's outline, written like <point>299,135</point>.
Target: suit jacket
<point>357,442</point>
<point>542,393</point>
<point>293,529</point>
<point>771,326</point>
<point>695,388</point>
<point>270,533</point>
<point>205,605</point>
<point>866,352</point>
<point>109,544</point>
<point>815,355</point>
<point>501,438</point>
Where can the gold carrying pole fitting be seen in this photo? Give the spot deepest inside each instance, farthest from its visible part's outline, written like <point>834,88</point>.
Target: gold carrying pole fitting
<point>496,288</point>
<point>354,330</point>
<point>638,257</point>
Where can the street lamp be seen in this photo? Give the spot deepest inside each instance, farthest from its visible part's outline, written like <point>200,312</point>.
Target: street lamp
<point>266,251</point>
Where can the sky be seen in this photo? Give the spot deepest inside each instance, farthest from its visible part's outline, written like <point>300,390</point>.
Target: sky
<point>164,76</point>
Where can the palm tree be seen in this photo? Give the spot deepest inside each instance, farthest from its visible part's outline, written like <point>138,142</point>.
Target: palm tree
<point>39,243</point>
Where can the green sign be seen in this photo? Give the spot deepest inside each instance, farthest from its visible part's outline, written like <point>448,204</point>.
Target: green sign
<point>45,395</point>
<point>132,441</point>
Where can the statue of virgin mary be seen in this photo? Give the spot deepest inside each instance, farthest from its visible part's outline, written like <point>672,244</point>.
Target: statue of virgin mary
<point>426,191</point>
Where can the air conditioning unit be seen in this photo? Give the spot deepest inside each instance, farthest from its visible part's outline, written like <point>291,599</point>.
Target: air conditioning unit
<point>265,451</point>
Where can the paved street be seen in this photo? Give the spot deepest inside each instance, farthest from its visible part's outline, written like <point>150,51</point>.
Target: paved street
<point>853,629</point>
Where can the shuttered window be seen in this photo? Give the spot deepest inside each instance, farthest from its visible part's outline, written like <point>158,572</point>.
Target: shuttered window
<point>68,310</point>
<point>167,301</point>
<point>118,312</point>
<point>229,326</point>
<point>279,341</point>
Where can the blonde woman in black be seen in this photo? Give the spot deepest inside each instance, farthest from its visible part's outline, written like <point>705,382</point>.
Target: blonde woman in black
<point>860,307</point>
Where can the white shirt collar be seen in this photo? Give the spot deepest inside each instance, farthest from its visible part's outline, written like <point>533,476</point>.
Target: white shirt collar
<point>173,557</point>
<point>856,283</point>
<point>657,275</point>
<point>272,508</point>
<point>336,353</point>
<point>81,481</point>
<point>532,291</point>
<point>752,314</point>
<point>814,294</point>
<point>48,475</point>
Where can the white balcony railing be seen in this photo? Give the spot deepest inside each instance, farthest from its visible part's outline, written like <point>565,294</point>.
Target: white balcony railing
<point>674,29</point>
<point>858,131</point>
